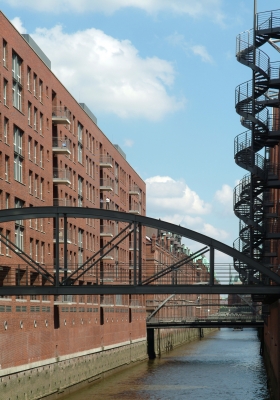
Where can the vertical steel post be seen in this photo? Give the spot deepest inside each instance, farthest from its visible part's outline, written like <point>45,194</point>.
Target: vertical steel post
<point>135,254</point>
<point>253,133</point>
<point>212,263</point>
<point>65,247</point>
<point>140,253</point>
<point>57,250</point>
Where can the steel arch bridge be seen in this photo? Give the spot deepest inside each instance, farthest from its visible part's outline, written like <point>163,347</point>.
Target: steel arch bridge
<point>139,277</point>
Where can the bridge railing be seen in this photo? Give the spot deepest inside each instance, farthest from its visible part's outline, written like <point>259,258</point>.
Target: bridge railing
<point>109,272</point>
<point>242,319</point>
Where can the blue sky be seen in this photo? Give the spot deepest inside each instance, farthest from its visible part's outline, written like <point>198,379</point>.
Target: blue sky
<point>160,76</point>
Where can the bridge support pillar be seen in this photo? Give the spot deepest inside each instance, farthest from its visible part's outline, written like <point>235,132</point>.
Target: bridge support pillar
<point>201,333</point>
<point>151,344</point>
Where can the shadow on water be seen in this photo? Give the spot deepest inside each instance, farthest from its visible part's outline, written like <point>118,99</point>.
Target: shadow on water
<point>225,365</point>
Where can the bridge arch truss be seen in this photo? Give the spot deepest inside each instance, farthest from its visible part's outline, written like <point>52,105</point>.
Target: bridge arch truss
<point>104,275</point>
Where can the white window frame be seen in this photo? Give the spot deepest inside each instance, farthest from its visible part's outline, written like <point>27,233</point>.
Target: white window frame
<point>6,130</point>
<point>18,157</point>
<point>35,118</point>
<point>40,90</point>
<point>29,113</point>
<point>28,78</point>
<point>4,53</point>
<point>5,87</point>
<point>34,84</point>
<point>6,168</point>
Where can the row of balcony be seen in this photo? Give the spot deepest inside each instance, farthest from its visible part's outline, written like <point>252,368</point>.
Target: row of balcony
<point>105,231</point>
<point>133,209</point>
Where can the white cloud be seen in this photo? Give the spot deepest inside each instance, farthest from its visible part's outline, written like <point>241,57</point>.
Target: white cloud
<point>128,143</point>
<point>199,225</point>
<point>164,193</point>
<point>197,8</point>
<point>108,74</point>
<point>202,52</point>
<point>173,201</point>
<point>178,40</point>
<point>224,197</point>
<point>18,25</point>
<point>210,230</point>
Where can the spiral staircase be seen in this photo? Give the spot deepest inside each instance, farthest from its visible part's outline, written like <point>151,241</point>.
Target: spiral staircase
<point>257,101</point>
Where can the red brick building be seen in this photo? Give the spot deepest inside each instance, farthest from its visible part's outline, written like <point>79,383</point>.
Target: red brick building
<point>52,152</point>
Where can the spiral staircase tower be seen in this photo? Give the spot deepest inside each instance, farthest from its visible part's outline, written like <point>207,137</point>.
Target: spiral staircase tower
<point>257,101</point>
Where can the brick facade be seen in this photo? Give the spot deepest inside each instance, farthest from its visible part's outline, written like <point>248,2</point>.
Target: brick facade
<point>52,152</point>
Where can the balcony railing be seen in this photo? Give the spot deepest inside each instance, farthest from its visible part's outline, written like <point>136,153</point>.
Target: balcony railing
<point>62,203</point>
<point>61,235</point>
<point>60,116</point>
<point>134,189</point>
<point>62,176</point>
<point>131,246</point>
<point>106,230</point>
<point>134,208</point>
<point>60,146</point>
<point>106,185</point>
<point>105,162</point>
<point>104,205</point>
<point>108,256</point>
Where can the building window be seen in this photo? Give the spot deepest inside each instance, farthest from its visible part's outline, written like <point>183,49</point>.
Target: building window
<point>36,250</point>
<point>30,179</point>
<point>116,178</point>
<point>35,118</point>
<point>7,200</point>
<point>19,227</point>
<point>41,188</point>
<point>40,90</point>
<point>41,156</point>
<point>31,247</point>
<point>80,143</point>
<point>17,88</point>
<point>80,246</point>
<point>29,147</point>
<point>5,53</point>
<point>35,152</point>
<point>6,168</point>
<point>41,124</point>
<point>80,191</point>
<point>16,95</point>
<point>42,252</point>
<point>5,91</point>
<point>35,85</point>
<point>29,114</point>
<point>29,78</point>
<point>36,186</point>
<point>6,130</point>
<point>18,157</point>
<point>8,236</point>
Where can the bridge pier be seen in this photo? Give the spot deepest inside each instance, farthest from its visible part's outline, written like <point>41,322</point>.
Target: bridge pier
<point>271,351</point>
<point>151,344</point>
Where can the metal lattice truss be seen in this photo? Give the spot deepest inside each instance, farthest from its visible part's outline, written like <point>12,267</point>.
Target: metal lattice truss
<point>104,274</point>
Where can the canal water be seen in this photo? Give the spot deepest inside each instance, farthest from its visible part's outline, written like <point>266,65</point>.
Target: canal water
<point>225,365</point>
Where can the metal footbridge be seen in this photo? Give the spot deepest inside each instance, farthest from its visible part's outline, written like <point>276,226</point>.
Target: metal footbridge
<point>103,274</point>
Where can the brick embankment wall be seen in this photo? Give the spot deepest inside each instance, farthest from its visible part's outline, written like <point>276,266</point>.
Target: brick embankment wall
<point>167,339</point>
<point>271,351</point>
<point>52,379</point>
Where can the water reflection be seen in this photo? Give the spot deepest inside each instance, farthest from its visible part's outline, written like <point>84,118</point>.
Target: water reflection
<point>225,365</point>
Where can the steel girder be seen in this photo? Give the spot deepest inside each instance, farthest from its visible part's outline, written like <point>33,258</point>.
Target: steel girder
<point>138,285</point>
